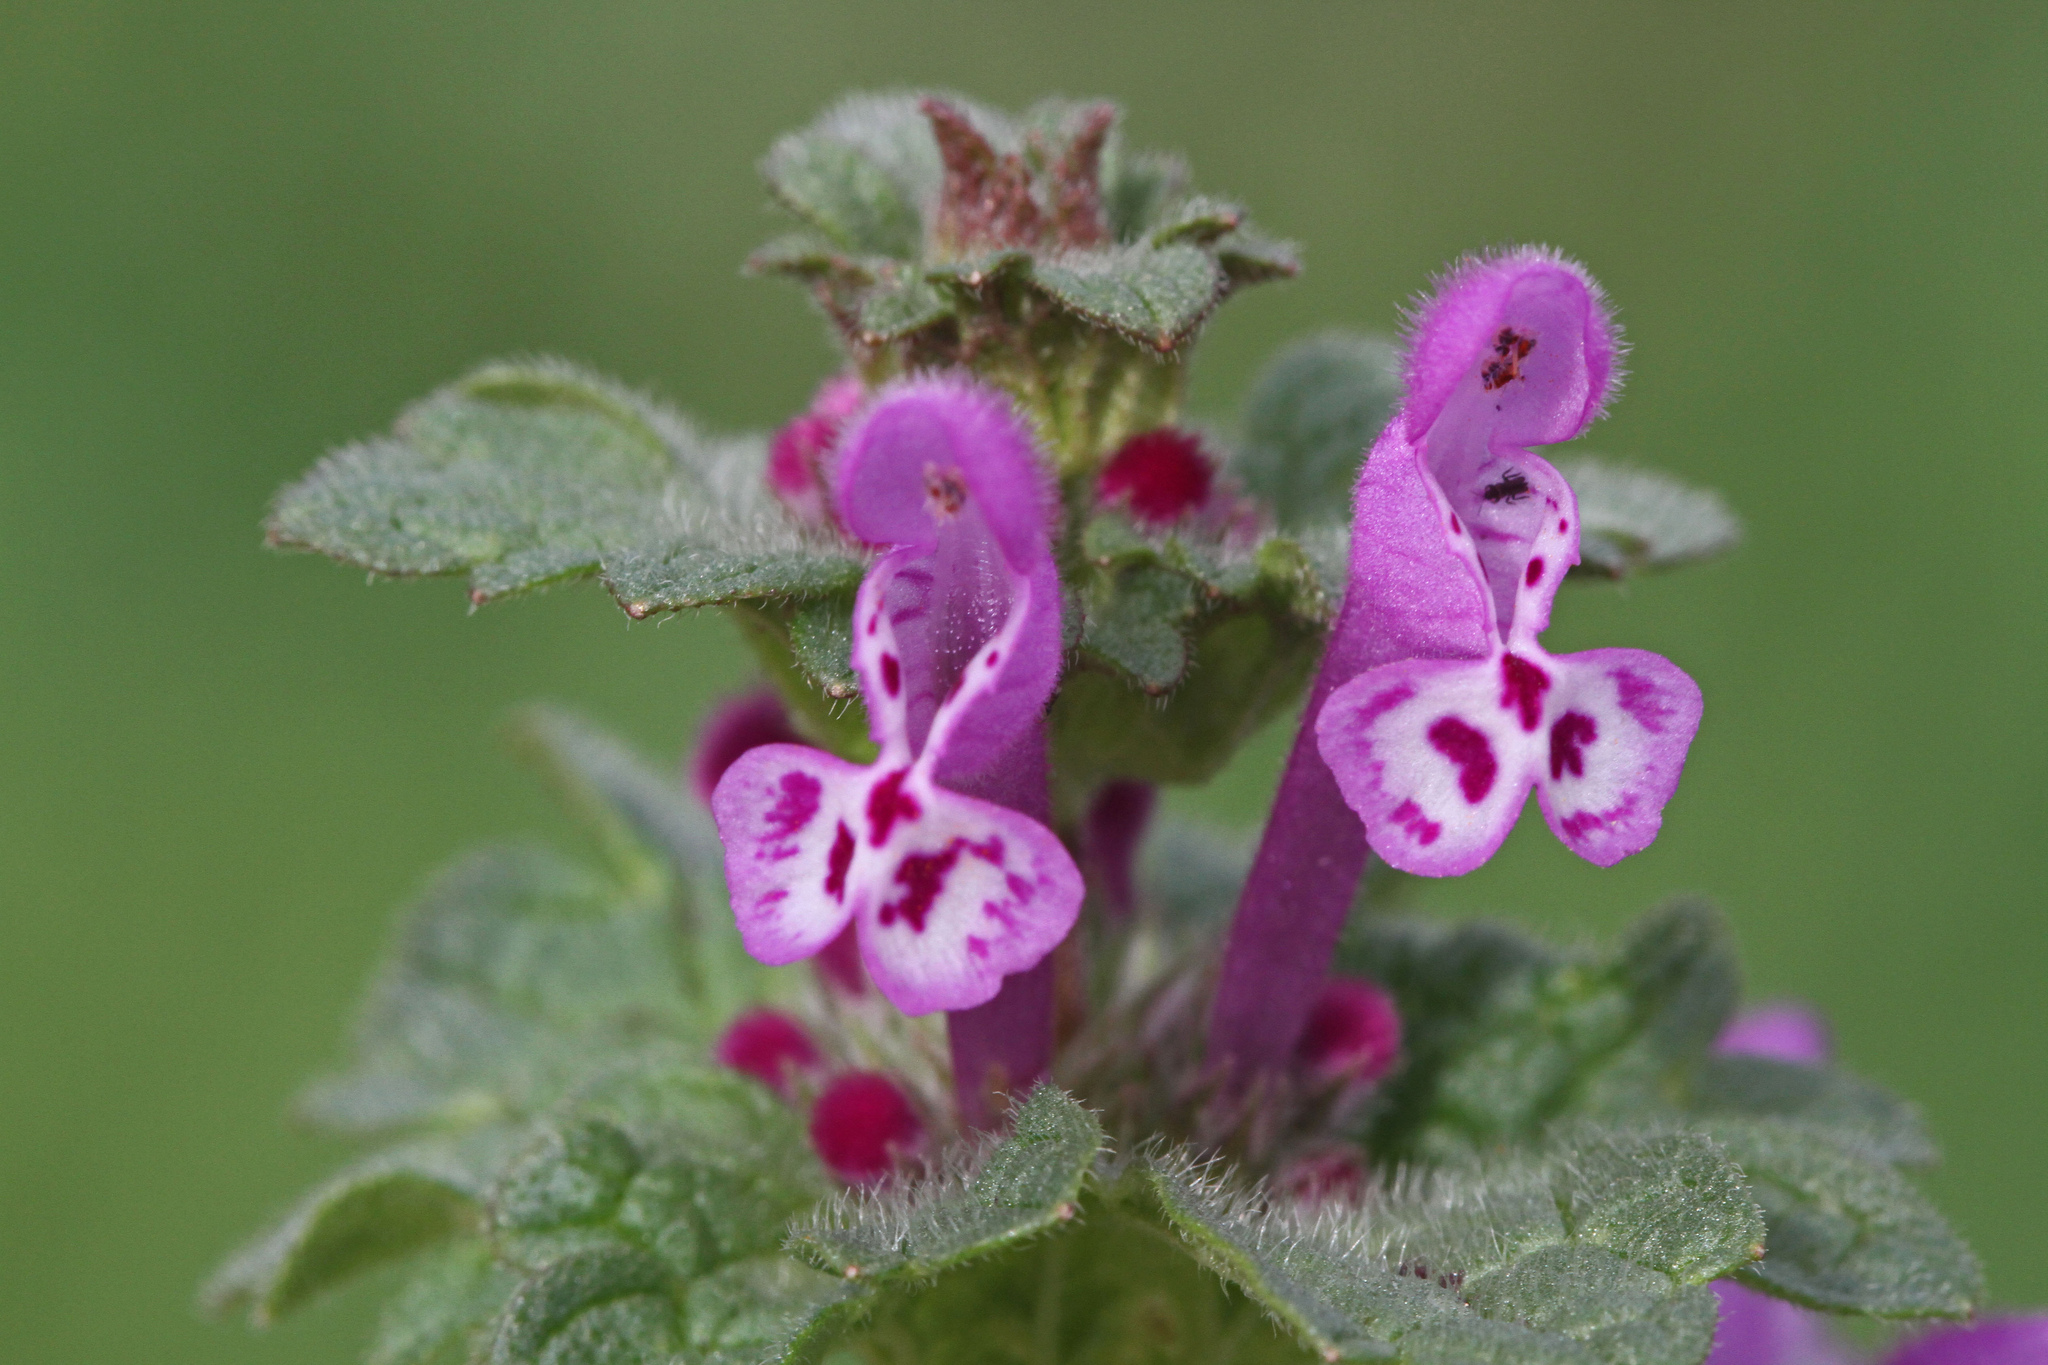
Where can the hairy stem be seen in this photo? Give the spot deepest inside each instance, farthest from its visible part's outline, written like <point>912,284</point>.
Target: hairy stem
<point>1005,1046</point>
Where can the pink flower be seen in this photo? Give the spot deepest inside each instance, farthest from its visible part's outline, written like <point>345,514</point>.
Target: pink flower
<point>1460,540</point>
<point>769,1046</point>
<point>863,1127</point>
<point>956,641</point>
<point>1785,1032</point>
<point>800,456</point>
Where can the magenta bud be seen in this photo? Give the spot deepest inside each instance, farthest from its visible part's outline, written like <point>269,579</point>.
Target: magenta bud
<point>1353,1032</point>
<point>863,1127</point>
<point>769,1046</point>
<point>1784,1031</point>
<point>800,456</point>
<point>1158,476</point>
<point>735,725</point>
<point>1333,1172</point>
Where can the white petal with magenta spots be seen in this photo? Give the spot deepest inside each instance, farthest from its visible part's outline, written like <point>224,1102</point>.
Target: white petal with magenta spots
<point>786,814</point>
<point>1434,757</point>
<point>961,894</point>
<point>1618,724</point>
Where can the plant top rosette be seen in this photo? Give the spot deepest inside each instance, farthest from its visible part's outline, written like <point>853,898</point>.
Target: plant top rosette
<point>899,1025</point>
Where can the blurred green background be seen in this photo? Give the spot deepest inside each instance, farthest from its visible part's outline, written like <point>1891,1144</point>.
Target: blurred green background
<point>235,234</point>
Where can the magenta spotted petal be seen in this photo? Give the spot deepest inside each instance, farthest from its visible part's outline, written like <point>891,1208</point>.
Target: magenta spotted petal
<point>1437,753</point>
<point>956,641</point>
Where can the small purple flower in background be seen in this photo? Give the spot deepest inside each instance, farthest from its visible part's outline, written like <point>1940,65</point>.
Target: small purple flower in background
<point>1110,835</point>
<point>1757,1329</point>
<point>769,1046</point>
<point>800,457</point>
<point>1165,478</point>
<point>1437,752</point>
<point>2019,1340</point>
<point>956,641</point>
<point>864,1127</point>
<point>1784,1031</point>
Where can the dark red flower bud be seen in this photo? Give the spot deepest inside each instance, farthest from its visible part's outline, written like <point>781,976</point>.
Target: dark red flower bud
<point>735,725</point>
<point>863,1127</point>
<point>1158,476</point>
<point>1353,1033</point>
<point>769,1046</point>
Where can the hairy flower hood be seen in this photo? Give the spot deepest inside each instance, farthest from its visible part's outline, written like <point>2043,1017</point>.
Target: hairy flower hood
<point>956,641</point>
<point>1460,540</point>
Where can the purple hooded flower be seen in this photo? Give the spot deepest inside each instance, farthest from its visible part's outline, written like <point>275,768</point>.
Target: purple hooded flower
<point>1461,539</point>
<point>956,640</point>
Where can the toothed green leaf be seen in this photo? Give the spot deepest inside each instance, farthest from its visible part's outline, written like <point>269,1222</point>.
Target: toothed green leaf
<point>1251,257</point>
<point>1139,189</point>
<point>1847,1232</point>
<point>442,1314</point>
<point>1636,519</point>
<point>1025,1185</point>
<point>1759,1087</point>
<point>1137,621</point>
<point>1154,295</point>
<point>832,182</point>
<point>899,304</point>
<point>527,474</point>
<point>1312,414</point>
<point>1200,220</point>
<point>768,1309</point>
<point>513,972</point>
<point>1593,1254</point>
<point>606,1305</point>
<point>383,1208</point>
<point>1505,1037</point>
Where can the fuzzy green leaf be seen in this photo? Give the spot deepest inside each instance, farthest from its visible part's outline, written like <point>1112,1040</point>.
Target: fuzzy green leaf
<point>1020,1188</point>
<point>1250,257</point>
<point>527,474</point>
<point>1140,189</point>
<point>441,1315</point>
<point>376,1211</point>
<point>607,1305</point>
<point>1136,621</point>
<point>1506,1037</point>
<point>1759,1087</point>
<point>1154,295</point>
<point>1108,1290</point>
<point>1847,1232</point>
<point>512,973</point>
<point>899,304</point>
<point>768,1308</point>
<point>1313,412</point>
<point>1595,1254</point>
<point>1636,519</point>
<point>830,181</point>
<point>1200,220</point>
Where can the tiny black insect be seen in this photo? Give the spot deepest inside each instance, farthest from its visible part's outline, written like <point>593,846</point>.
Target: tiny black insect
<point>1513,487</point>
